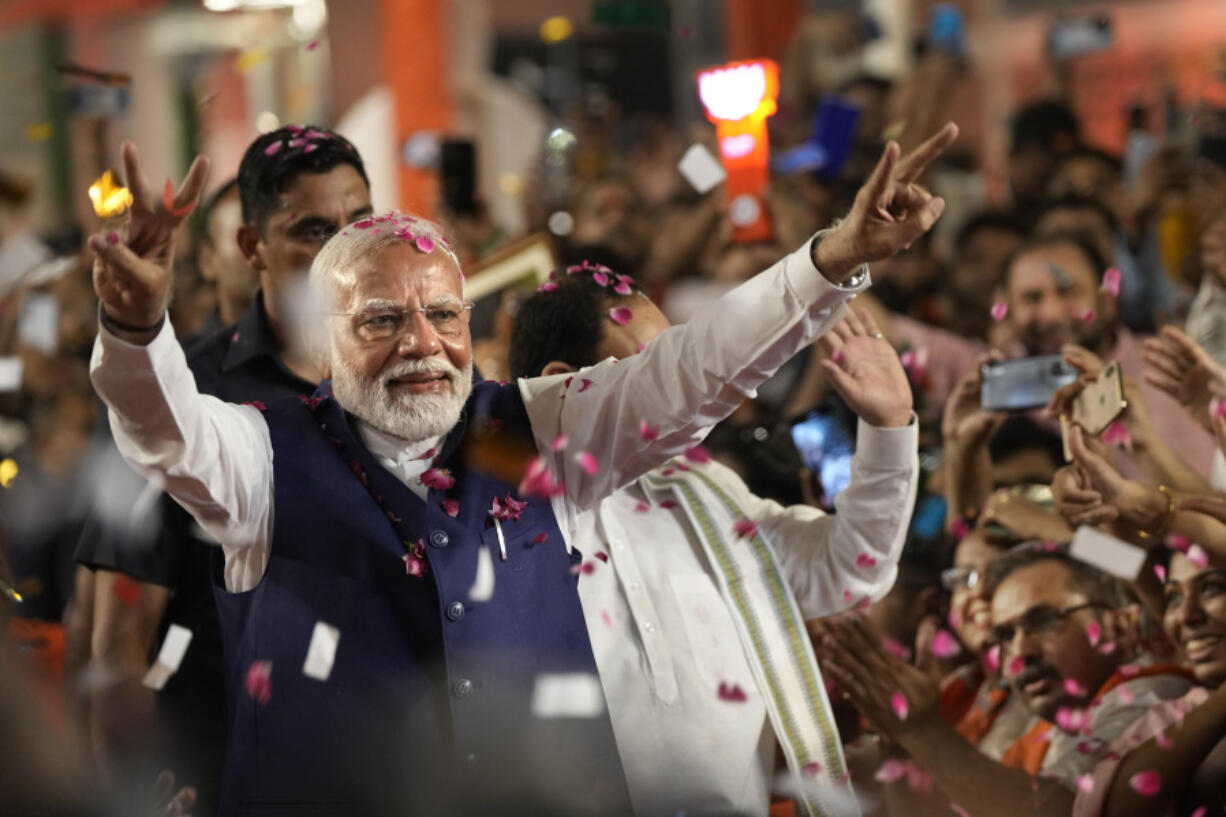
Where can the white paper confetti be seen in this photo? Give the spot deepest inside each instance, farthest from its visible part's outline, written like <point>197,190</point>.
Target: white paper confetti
<point>1120,559</point>
<point>567,695</point>
<point>483,584</point>
<point>39,323</point>
<point>174,647</point>
<point>701,169</point>
<point>10,374</point>
<point>321,653</point>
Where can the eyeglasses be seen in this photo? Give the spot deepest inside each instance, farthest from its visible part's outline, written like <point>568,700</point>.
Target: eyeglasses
<point>1041,620</point>
<point>385,322</point>
<point>959,578</point>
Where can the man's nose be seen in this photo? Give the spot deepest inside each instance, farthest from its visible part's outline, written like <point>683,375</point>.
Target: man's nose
<point>418,338</point>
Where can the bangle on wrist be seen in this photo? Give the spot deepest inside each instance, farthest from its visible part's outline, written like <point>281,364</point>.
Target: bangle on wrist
<point>112,324</point>
<point>1167,516</point>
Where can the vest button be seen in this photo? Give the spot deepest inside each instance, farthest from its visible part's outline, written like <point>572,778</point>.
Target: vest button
<point>439,539</point>
<point>455,611</point>
<point>462,688</point>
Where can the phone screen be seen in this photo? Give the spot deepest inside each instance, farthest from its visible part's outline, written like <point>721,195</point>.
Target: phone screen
<point>826,449</point>
<point>1027,383</point>
<point>1084,35</point>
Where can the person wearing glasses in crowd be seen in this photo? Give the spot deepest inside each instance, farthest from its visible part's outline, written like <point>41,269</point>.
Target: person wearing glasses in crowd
<point>1053,617</point>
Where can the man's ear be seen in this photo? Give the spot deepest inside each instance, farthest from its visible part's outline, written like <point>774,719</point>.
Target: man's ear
<point>248,239</point>
<point>557,367</point>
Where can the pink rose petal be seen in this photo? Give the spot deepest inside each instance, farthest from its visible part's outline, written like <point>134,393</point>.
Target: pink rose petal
<point>1073,688</point>
<point>1163,740</point>
<point>437,479</point>
<point>1086,783</point>
<point>540,538</point>
<point>999,310</point>
<point>1088,316</point>
<point>587,462</point>
<point>113,238</point>
<point>414,565</point>
<point>745,528</point>
<point>959,528</point>
<point>451,507</point>
<point>641,507</point>
<point>584,385</point>
<point>1200,812</point>
<point>944,645</point>
<point>668,504</point>
<point>312,45</point>
<point>1015,667</point>
<point>1117,434</point>
<point>1106,648</point>
<point>992,658</point>
<point>622,288</point>
<point>548,286</point>
<point>1160,572</point>
<point>539,481</point>
<point>811,770</point>
<point>864,560</point>
<point>732,693</point>
<point>272,149</point>
<point>600,278</point>
<point>847,596</point>
<point>1111,281</point>
<point>559,442</point>
<point>898,702</point>
<point>1178,542</point>
<point>620,315</point>
<point>891,771</point>
<point>961,812</point>
<point>1146,784</point>
<point>1130,670</point>
<point>424,243</point>
<point>602,556</point>
<point>1094,632</point>
<point>259,681</point>
<point>1072,720</point>
<point>697,454</point>
<point>583,567</point>
<point>608,620</point>
<point>647,432</point>
<point>894,648</point>
<point>836,356</point>
<point>1197,556</point>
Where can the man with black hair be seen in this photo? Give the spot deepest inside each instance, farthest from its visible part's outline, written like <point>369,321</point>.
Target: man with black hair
<point>688,618</point>
<point>981,247</point>
<point>296,186</point>
<point>1042,132</point>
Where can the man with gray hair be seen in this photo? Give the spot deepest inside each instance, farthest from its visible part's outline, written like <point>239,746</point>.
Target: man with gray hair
<point>398,602</point>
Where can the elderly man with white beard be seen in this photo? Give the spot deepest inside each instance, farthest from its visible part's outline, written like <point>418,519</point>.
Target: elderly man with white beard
<point>400,621</point>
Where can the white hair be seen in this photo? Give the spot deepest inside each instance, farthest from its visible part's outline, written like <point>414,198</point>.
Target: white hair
<point>336,264</point>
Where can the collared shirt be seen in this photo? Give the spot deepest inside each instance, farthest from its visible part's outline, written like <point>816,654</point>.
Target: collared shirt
<point>664,638</point>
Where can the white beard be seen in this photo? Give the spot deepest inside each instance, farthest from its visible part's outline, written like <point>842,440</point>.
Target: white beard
<point>411,417</point>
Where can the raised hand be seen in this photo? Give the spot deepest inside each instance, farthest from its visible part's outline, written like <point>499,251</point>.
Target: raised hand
<point>133,266</point>
<point>964,421</point>
<point>864,368</point>
<point>890,212</point>
<point>1180,367</point>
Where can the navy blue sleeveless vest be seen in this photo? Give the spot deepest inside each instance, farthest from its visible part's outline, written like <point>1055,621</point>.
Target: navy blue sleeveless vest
<point>428,708</point>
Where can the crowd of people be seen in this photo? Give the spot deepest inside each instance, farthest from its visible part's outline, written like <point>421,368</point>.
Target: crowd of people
<point>284,537</point>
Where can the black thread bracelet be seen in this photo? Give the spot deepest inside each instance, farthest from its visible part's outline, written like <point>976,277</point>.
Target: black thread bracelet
<point>111,323</point>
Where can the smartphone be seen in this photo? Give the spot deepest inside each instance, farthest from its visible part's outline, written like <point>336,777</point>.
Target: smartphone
<point>826,449</point>
<point>1101,401</point>
<point>458,175</point>
<point>945,29</point>
<point>1023,384</point>
<point>1076,36</point>
<point>826,151</point>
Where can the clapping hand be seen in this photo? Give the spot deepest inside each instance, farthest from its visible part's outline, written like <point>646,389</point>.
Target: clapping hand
<point>891,210</point>
<point>133,266</point>
<point>1180,367</point>
<point>864,368</point>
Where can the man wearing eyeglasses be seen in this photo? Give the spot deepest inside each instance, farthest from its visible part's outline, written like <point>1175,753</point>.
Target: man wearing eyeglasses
<point>392,511</point>
<point>1067,646</point>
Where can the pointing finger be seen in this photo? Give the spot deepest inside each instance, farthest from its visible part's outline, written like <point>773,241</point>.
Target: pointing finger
<point>879,183</point>
<point>134,179</point>
<point>913,165</point>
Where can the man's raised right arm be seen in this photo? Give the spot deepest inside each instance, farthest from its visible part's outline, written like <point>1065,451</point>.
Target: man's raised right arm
<point>213,457</point>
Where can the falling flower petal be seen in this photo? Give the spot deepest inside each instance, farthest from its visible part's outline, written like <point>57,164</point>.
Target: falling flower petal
<point>732,693</point>
<point>847,597</point>
<point>895,649</point>
<point>437,479</point>
<point>622,288</point>
<point>959,528</point>
<point>620,315</point>
<point>1163,740</point>
<point>548,286</point>
<point>1106,648</point>
<point>641,507</point>
<point>608,620</point>
<point>864,560</point>
<point>745,527</point>
<point>1086,783</point>
<point>259,681</point>
<point>668,504</point>
<point>584,385</point>
<point>961,812</point>
<point>999,310</point>
<point>1073,688</point>
<point>602,556</point>
<point>668,472</point>
<point>168,201</point>
<point>836,356</point>
<point>1178,542</point>
<point>272,149</point>
<point>1111,281</point>
<point>1016,665</point>
<point>1072,720</point>
<point>1197,556</point>
<point>587,462</point>
<point>540,538</point>
<point>312,45</point>
<point>898,702</point>
<point>1146,784</point>
<point>811,769</point>
<point>992,658</point>
<point>647,432</point>
<point>539,481</point>
<point>1160,572</point>
<point>583,567</point>
<point>600,278</point>
<point>507,508</point>
<point>1088,316</point>
<point>1200,812</point>
<point>891,771</point>
<point>559,442</point>
<point>1117,434</point>
<point>113,238</point>
<point>1130,670</point>
<point>1094,632</point>
<point>424,243</point>
<point>944,645</point>
<point>697,454</point>
<point>451,507</point>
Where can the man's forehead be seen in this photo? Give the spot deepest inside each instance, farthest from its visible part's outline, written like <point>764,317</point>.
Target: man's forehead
<point>400,269</point>
<point>1060,266</point>
<point>1045,582</point>
<point>335,189</point>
